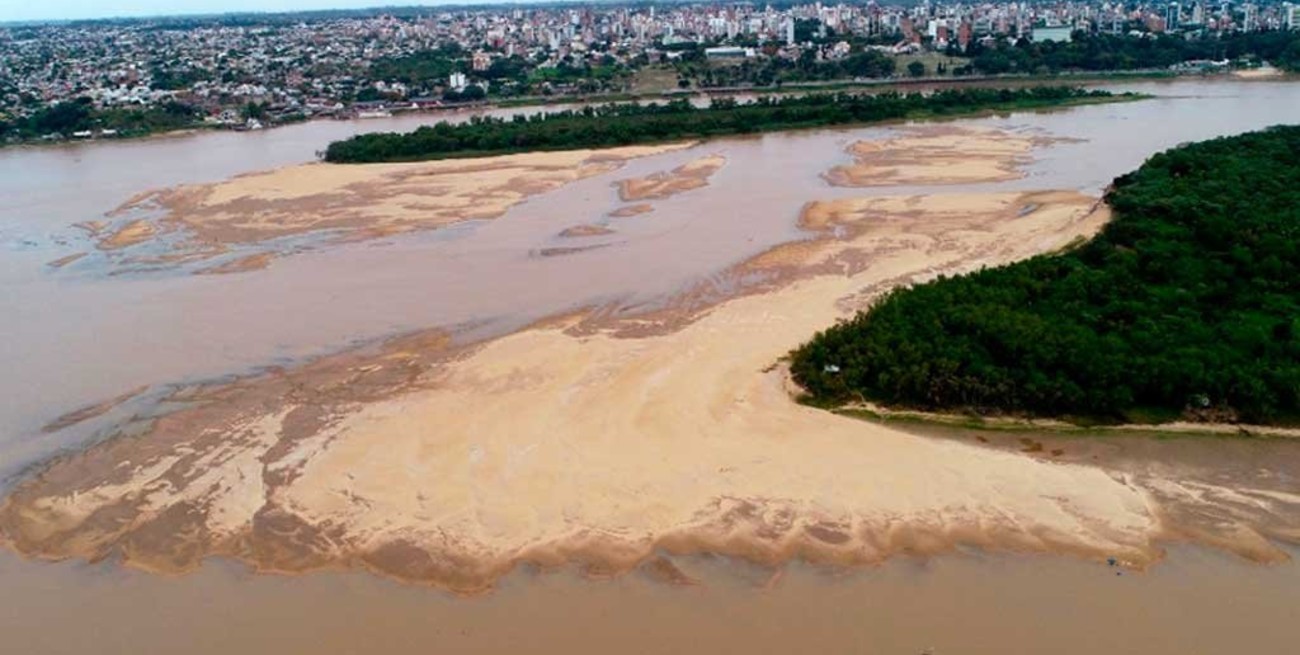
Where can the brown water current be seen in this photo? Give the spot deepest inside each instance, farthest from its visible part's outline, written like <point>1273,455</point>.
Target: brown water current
<point>466,373</point>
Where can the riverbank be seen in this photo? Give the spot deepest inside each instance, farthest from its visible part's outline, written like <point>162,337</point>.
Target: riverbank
<point>1013,424</point>
<point>615,124</point>
<point>924,83</point>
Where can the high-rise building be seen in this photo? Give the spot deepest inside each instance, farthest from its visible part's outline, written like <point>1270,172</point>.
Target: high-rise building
<point>1172,14</point>
<point>1291,16</point>
<point>1249,17</point>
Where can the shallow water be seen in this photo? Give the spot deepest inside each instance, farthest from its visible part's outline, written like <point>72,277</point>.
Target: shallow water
<point>76,336</point>
<point>974,604</point>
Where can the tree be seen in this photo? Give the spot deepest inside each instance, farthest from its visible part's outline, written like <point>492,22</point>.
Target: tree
<point>473,93</point>
<point>916,69</point>
<point>253,111</point>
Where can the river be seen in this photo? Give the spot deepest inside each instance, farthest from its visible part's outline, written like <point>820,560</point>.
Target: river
<point>87,332</point>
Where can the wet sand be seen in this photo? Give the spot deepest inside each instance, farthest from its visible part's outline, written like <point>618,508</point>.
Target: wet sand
<point>930,155</point>
<point>632,210</point>
<point>666,184</point>
<point>65,260</point>
<point>588,230</point>
<point>1261,73</point>
<point>573,443</point>
<point>344,202</point>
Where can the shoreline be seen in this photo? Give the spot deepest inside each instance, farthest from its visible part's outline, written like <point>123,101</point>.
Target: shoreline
<point>920,115</point>
<point>1003,423</point>
<point>1011,81</point>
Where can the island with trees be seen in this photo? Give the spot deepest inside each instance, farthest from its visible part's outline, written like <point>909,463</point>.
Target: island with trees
<point>1185,306</point>
<point>633,123</point>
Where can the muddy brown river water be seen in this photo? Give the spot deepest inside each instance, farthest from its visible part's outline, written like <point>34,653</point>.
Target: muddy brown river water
<point>91,330</point>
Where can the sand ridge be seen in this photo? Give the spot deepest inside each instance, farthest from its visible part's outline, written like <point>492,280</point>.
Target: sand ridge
<point>585,230</point>
<point>665,184</point>
<point>937,155</point>
<point>631,210</point>
<point>344,202</point>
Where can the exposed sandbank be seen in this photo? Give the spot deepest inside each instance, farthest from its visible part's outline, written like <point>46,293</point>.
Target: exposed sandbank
<point>586,230</point>
<point>665,184</point>
<point>347,202</point>
<point>571,442</point>
<point>65,260</point>
<point>631,210</point>
<point>600,440</point>
<point>240,265</point>
<point>1261,73</point>
<point>91,411</point>
<point>937,155</point>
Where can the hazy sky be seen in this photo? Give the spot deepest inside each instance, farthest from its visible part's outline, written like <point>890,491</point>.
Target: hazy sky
<point>21,10</point>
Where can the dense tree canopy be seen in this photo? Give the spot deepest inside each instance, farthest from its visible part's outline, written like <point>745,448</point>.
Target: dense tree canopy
<point>1188,302</point>
<point>625,124</point>
<point>430,66</point>
<point>66,118</point>
<point>1108,52</point>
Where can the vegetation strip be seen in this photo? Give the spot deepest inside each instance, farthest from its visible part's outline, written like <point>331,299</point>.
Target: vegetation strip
<point>1187,305</point>
<point>626,124</point>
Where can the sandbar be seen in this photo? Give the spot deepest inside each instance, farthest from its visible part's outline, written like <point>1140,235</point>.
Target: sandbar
<point>632,210</point>
<point>937,155</point>
<point>665,184</point>
<point>65,260</point>
<point>604,441</point>
<point>352,202</point>
<point>240,265</point>
<point>556,445</point>
<point>586,230</point>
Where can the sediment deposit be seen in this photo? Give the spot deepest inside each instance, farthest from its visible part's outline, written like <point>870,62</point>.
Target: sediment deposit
<point>343,203</point>
<point>600,440</point>
<point>937,155</point>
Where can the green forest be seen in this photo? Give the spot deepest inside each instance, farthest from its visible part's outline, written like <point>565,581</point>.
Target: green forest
<point>626,124</point>
<point>1186,305</point>
<point>1107,52</point>
<point>65,118</point>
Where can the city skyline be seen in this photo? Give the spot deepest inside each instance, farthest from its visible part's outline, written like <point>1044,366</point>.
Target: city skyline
<point>19,11</point>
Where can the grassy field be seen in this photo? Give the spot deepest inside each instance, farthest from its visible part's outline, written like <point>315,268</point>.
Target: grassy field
<point>931,60</point>
<point>654,79</point>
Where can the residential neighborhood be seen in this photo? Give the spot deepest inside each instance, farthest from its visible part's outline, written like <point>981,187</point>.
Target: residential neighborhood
<point>244,71</point>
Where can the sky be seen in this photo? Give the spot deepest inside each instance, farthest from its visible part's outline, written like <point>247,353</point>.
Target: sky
<point>30,10</point>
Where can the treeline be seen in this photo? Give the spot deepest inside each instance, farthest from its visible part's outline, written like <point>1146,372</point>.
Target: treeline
<point>693,66</point>
<point>427,72</point>
<point>1108,52</point>
<point>625,124</point>
<point>1186,304</point>
<point>80,115</point>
